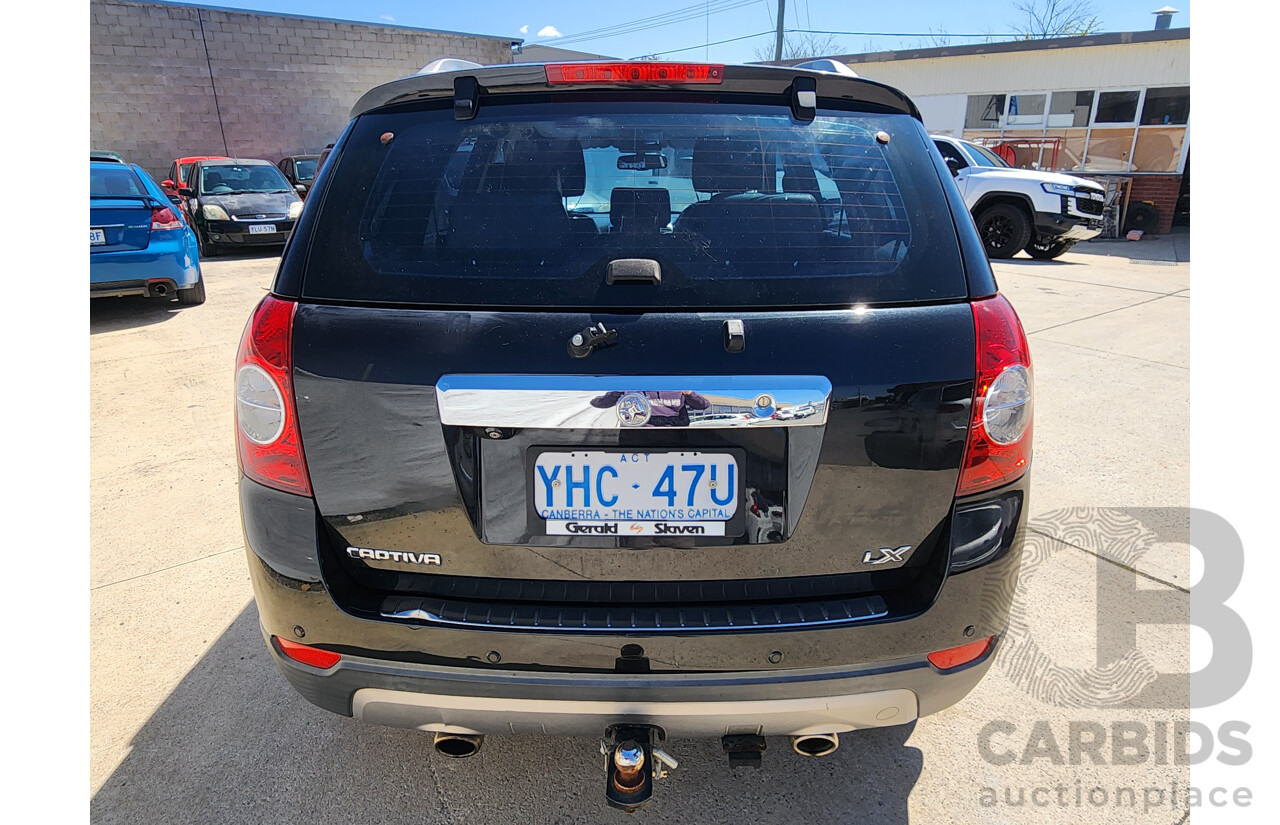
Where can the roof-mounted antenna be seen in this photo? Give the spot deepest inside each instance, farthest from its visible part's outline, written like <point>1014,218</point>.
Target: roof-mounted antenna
<point>826,64</point>
<point>447,64</point>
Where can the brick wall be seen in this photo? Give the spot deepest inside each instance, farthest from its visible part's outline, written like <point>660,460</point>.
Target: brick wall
<point>284,85</point>
<point>1162,190</point>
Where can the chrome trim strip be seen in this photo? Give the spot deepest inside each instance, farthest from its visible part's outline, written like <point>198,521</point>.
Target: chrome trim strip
<point>426,616</point>
<point>583,402</point>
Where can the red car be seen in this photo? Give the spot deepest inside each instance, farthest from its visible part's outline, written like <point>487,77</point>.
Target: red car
<point>178,175</point>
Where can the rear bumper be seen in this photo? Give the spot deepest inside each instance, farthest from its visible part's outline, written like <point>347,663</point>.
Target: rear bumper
<point>1067,227</point>
<point>153,288</point>
<point>494,680</point>
<point>495,701</point>
<point>174,259</point>
<point>232,233</point>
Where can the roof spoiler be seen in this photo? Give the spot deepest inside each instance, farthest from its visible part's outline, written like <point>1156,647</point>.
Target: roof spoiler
<point>453,78</point>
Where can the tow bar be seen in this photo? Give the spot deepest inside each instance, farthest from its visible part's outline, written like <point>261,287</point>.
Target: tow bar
<point>632,764</point>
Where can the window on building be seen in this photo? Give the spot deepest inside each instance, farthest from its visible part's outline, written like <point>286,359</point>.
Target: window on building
<point>1117,107</point>
<point>1109,150</point>
<point>981,136</point>
<point>1026,110</point>
<point>984,111</point>
<point>1025,148</point>
<point>1166,106</point>
<point>1066,154</point>
<point>1158,149</point>
<point>1069,109</point>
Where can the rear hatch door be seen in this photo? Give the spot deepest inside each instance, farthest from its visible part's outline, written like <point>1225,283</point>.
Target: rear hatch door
<point>781,390</point>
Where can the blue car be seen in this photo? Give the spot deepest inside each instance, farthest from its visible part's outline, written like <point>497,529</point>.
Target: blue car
<point>139,243</point>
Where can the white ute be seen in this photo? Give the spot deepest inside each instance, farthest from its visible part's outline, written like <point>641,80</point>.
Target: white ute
<point>1045,213</point>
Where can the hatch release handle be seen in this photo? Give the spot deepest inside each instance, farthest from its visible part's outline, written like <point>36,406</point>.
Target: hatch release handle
<point>591,338</point>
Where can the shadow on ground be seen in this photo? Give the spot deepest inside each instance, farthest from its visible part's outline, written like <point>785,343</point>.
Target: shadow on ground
<point>233,743</point>
<point>1172,248</point>
<point>1032,263</point>
<point>112,314</point>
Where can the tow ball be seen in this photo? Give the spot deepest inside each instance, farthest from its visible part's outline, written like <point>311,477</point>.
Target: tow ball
<point>632,764</point>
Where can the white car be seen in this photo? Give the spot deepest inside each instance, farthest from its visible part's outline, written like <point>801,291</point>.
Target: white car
<point>1044,213</point>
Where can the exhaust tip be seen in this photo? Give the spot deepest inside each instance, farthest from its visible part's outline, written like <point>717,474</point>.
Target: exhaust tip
<point>457,745</point>
<point>161,290</point>
<point>815,744</point>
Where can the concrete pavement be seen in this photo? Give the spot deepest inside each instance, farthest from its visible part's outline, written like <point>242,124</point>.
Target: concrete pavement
<point>192,724</point>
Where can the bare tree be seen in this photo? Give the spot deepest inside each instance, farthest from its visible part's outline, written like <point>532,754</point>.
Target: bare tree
<point>1042,19</point>
<point>936,40</point>
<point>799,45</point>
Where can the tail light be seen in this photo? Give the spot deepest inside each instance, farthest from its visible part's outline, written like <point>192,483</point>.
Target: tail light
<point>646,72</point>
<point>162,217</point>
<point>306,654</point>
<point>999,443</point>
<point>267,438</point>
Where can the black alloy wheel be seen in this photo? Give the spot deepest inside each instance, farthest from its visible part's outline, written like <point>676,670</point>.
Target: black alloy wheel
<point>1005,230</point>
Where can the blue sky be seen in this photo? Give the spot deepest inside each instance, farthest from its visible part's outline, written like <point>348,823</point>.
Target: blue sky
<point>735,19</point>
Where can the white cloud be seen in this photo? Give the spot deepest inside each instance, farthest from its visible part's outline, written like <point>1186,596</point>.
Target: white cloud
<point>388,18</point>
<point>549,31</point>
<point>524,29</point>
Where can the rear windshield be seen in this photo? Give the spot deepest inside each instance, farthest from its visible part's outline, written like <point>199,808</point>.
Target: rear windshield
<point>304,169</point>
<point>740,205</point>
<point>115,180</point>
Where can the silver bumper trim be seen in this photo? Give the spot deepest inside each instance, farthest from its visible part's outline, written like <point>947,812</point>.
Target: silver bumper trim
<point>1080,232</point>
<point>449,713</point>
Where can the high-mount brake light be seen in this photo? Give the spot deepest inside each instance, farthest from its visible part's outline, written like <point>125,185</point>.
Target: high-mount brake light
<point>267,438</point>
<point>999,443</point>
<point>645,72</point>
<point>162,217</point>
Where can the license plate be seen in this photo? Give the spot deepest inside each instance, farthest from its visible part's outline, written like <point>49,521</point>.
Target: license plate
<point>636,494</point>
<point>262,229</point>
<point>97,237</point>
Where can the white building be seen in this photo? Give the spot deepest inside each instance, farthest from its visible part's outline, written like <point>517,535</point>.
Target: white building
<point>1117,103</point>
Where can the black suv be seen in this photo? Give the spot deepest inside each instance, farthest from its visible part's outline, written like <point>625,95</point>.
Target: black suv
<point>641,400</point>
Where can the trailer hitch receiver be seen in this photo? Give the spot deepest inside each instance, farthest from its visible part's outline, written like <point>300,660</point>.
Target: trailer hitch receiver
<point>632,763</point>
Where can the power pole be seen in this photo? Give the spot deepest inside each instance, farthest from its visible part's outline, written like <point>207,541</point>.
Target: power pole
<point>777,43</point>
